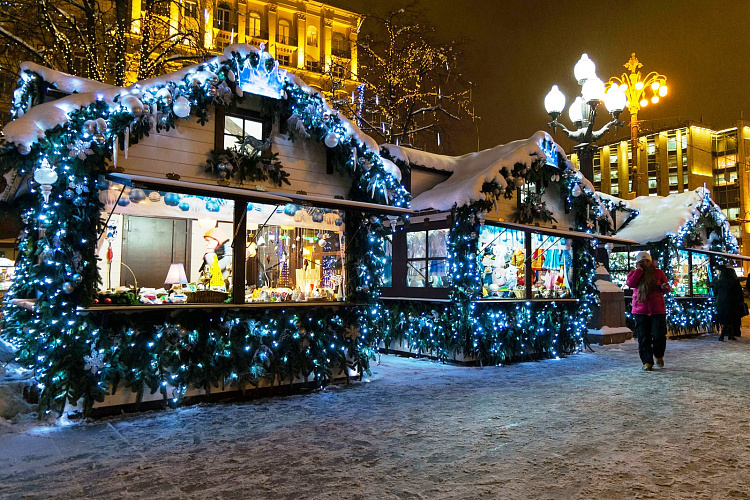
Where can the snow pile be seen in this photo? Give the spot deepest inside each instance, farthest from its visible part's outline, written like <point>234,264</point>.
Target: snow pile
<point>472,170</point>
<point>660,216</point>
<point>607,286</point>
<point>67,83</point>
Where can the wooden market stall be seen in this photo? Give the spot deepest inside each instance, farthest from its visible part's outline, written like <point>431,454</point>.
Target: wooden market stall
<point>498,262</point>
<point>688,236</point>
<point>209,228</point>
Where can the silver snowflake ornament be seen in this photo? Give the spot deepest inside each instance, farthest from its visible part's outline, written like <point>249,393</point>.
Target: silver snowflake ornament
<point>79,148</point>
<point>95,362</point>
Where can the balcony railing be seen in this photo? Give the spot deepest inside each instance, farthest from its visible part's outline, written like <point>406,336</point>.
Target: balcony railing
<point>286,40</point>
<point>257,34</point>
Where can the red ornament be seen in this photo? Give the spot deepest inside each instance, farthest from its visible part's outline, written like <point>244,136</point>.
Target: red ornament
<point>107,300</point>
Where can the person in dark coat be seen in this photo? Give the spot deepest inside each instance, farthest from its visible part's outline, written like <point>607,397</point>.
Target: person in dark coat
<point>649,310</point>
<point>729,303</point>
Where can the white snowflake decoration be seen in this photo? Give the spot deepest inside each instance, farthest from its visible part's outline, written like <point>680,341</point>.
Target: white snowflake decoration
<point>79,148</point>
<point>95,362</point>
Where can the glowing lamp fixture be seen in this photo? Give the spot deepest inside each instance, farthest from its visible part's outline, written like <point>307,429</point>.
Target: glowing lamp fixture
<point>582,111</point>
<point>554,102</point>
<point>584,69</point>
<point>176,274</point>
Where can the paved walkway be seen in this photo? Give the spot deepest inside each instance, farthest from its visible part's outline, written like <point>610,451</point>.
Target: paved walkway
<point>588,426</point>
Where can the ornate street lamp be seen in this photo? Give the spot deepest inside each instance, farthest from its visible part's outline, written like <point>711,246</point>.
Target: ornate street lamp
<point>638,91</point>
<point>583,111</point>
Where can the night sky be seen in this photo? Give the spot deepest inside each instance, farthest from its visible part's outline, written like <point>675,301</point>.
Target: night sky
<point>516,50</point>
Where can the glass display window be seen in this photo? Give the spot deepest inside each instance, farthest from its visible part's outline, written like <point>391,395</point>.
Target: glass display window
<point>426,258</point>
<point>620,264</point>
<point>701,279</point>
<point>502,261</point>
<point>167,247</point>
<point>551,267</point>
<point>681,273</point>
<point>236,128</point>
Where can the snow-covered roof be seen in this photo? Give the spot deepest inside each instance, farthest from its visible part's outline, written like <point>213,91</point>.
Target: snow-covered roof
<point>28,129</point>
<point>661,216</point>
<point>472,170</point>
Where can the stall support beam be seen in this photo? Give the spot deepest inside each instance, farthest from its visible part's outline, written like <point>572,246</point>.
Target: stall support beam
<point>238,254</point>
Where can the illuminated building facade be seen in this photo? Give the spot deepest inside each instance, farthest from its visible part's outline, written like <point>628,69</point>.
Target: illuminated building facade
<point>686,157</point>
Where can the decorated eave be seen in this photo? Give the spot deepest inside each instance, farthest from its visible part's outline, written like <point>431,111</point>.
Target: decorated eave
<point>99,119</point>
<point>679,217</point>
<point>470,172</point>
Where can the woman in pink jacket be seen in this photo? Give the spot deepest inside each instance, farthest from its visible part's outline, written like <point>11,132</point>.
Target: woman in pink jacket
<point>649,285</point>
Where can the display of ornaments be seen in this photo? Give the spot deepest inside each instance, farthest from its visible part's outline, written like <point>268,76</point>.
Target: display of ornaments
<point>181,107</point>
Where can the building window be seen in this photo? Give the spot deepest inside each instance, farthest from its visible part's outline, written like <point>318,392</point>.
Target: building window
<point>252,28</point>
<point>426,255</point>
<point>284,59</point>
<point>312,36</point>
<point>223,18</point>
<point>285,29</point>
<point>339,71</point>
<point>614,189</point>
<point>311,65</point>
<point>340,46</point>
<point>190,9</point>
<point>161,7</point>
<point>236,128</point>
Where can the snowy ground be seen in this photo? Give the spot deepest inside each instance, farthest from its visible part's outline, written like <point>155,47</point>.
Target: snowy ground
<point>589,426</point>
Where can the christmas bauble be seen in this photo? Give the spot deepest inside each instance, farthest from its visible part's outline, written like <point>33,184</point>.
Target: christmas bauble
<point>132,104</point>
<point>181,107</point>
<point>172,199</point>
<point>77,278</point>
<point>212,205</point>
<point>331,140</point>
<point>79,201</point>
<point>137,195</point>
<point>68,287</point>
<point>184,206</point>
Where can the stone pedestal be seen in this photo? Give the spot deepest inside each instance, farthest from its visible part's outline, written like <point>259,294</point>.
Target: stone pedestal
<point>607,325</point>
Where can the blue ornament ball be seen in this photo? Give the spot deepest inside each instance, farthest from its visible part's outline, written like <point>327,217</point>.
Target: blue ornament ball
<point>338,222</point>
<point>184,206</point>
<point>68,287</point>
<point>249,207</point>
<point>123,202</point>
<point>171,199</point>
<point>137,195</point>
<point>290,209</point>
<point>77,278</point>
<point>317,216</point>
<point>212,206</point>
<point>79,201</point>
<point>68,194</point>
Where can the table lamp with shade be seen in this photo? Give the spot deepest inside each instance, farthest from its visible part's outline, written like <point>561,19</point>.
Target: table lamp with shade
<point>176,275</point>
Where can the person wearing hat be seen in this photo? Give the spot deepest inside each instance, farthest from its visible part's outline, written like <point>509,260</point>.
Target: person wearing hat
<point>649,311</point>
<point>219,250</point>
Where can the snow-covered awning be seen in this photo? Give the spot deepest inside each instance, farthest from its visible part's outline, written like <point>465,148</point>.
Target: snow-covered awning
<point>471,171</point>
<point>661,216</point>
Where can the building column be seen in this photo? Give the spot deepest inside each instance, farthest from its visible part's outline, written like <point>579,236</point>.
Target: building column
<point>272,28</point>
<point>353,53</point>
<point>327,37</point>
<point>301,39</point>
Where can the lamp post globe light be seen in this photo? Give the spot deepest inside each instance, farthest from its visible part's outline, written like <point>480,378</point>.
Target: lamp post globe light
<point>639,92</point>
<point>583,111</point>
